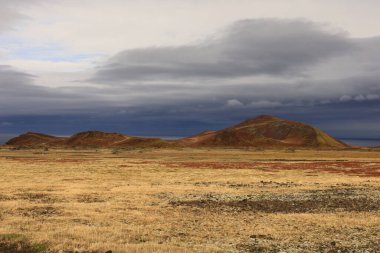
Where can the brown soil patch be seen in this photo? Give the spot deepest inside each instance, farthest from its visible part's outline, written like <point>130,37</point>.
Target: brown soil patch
<point>90,198</point>
<point>258,243</point>
<point>288,206</point>
<point>364,169</point>
<point>39,211</point>
<point>334,199</point>
<point>47,160</point>
<point>5,197</point>
<point>38,197</point>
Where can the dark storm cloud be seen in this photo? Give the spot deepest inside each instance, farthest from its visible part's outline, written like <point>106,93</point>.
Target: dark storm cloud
<point>15,82</point>
<point>253,64</point>
<point>246,48</point>
<point>289,68</point>
<point>19,94</point>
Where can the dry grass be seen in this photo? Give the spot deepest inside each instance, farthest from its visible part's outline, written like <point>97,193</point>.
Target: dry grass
<point>175,201</point>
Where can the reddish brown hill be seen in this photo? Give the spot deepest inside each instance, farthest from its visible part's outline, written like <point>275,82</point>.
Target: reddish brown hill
<point>108,140</point>
<point>95,139</point>
<point>263,131</point>
<point>139,142</point>
<point>36,140</point>
<point>268,132</point>
<point>90,139</point>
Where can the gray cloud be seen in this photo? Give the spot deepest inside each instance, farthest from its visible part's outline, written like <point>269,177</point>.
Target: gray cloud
<point>8,17</point>
<point>10,14</point>
<point>253,64</point>
<point>12,80</point>
<point>19,94</point>
<point>266,63</point>
<point>280,67</point>
<point>246,48</point>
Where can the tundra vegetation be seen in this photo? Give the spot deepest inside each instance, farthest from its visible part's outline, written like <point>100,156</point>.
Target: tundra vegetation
<point>189,200</point>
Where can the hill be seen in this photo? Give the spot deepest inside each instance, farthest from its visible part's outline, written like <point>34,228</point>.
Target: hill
<point>267,132</point>
<point>94,139</point>
<point>263,131</point>
<point>89,139</point>
<point>34,140</point>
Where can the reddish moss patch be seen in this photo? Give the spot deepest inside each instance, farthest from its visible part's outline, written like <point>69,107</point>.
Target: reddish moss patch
<point>353,168</point>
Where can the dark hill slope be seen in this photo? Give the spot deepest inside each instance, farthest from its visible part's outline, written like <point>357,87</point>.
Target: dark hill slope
<point>36,140</point>
<point>95,139</point>
<point>267,132</point>
<point>112,140</point>
<point>89,139</point>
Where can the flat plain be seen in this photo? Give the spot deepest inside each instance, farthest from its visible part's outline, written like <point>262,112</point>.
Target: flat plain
<point>189,200</point>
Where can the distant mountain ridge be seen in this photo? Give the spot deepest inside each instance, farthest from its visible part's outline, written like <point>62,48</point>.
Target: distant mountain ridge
<point>263,131</point>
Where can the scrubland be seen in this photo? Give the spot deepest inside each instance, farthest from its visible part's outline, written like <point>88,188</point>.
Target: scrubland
<point>189,200</point>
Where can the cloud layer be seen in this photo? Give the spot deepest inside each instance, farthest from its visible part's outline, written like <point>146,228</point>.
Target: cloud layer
<point>291,68</point>
<point>246,48</point>
<point>253,64</point>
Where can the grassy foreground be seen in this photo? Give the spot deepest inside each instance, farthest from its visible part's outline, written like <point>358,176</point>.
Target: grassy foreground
<point>190,200</point>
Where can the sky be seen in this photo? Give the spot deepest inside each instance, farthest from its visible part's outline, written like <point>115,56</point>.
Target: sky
<point>177,67</point>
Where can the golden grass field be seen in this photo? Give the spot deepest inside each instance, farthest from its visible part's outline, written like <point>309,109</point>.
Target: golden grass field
<point>189,200</point>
